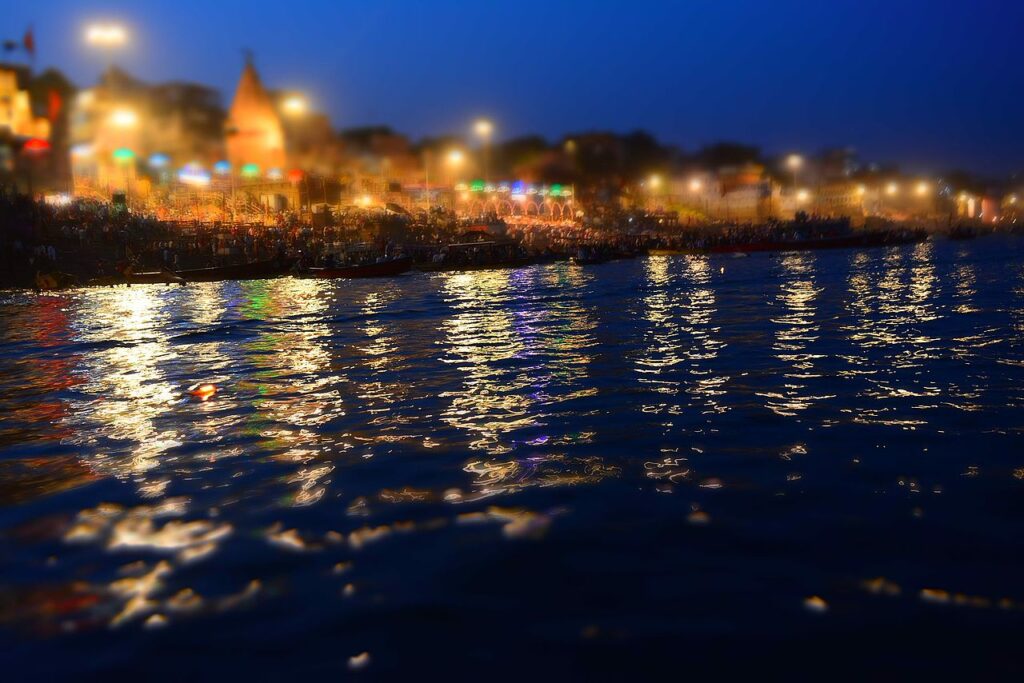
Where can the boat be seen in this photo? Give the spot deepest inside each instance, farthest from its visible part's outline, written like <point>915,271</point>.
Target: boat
<point>480,254</point>
<point>962,232</point>
<point>257,270</point>
<point>862,239</point>
<point>53,281</point>
<point>386,268</point>
<point>591,257</point>
<point>155,277</point>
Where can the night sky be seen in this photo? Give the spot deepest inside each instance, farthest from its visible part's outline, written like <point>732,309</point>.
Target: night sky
<point>931,84</point>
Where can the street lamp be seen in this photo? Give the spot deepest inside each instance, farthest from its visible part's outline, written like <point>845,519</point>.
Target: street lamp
<point>106,35</point>
<point>107,38</point>
<point>922,189</point>
<point>484,130</point>
<point>891,189</point>
<point>654,184</point>
<point>124,118</point>
<point>454,160</point>
<point>696,185</point>
<point>295,105</point>
<point>794,162</point>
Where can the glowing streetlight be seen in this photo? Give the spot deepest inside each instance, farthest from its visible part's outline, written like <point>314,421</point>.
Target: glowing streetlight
<point>485,129</point>
<point>455,158</point>
<point>1013,199</point>
<point>106,35</point>
<point>922,189</point>
<point>365,200</point>
<point>124,118</point>
<point>794,162</point>
<point>802,196</point>
<point>295,105</point>
<point>861,190</point>
<point>696,185</point>
<point>892,189</point>
<point>654,182</point>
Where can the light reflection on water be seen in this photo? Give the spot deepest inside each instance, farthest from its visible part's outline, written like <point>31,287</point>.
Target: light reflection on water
<point>468,412</point>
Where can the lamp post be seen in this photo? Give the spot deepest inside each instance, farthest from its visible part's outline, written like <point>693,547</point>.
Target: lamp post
<point>654,183</point>
<point>485,130</point>
<point>454,160</point>
<point>106,37</point>
<point>794,162</point>
<point>124,120</point>
<point>295,105</point>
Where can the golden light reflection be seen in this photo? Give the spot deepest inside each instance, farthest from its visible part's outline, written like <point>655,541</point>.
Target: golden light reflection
<point>892,301</point>
<point>796,332</point>
<point>662,344</point>
<point>480,336</point>
<point>127,371</point>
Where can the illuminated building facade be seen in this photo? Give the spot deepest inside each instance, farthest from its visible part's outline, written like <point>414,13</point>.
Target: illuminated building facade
<point>126,133</point>
<point>16,116</point>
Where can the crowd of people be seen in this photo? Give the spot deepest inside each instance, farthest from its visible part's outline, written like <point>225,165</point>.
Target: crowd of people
<point>84,239</point>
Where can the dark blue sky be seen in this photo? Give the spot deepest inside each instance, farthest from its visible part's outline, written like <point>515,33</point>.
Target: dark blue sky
<point>931,84</point>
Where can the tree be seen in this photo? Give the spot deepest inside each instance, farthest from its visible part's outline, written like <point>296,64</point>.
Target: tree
<point>727,154</point>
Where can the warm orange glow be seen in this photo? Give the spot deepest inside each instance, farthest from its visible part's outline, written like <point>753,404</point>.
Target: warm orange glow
<point>124,118</point>
<point>455,157</point>
<point>295,105</point>
<point>204,391</point>
<point>483,128</point>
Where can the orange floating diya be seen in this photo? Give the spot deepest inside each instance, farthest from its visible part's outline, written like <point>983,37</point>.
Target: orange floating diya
<point>204,391</point>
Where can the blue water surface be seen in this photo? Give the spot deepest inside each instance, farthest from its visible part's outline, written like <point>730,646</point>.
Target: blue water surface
<point>803,463</point>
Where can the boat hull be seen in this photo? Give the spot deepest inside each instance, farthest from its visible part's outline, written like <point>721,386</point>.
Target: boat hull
<point>388,268</point>
<point>244,271</point>
<point>850,242</point>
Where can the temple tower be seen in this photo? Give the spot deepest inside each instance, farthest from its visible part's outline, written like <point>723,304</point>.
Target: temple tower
<point>254,131</point>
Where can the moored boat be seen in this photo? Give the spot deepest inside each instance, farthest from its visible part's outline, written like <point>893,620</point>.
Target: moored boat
<point>386,268</point>
<point>883,238</point>
<point>962,232</point>
<point>257,270</point>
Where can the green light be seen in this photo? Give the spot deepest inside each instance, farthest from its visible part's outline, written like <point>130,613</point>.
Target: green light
<point>476,186</point>
<point>556,190</point>
<point>123,154</point>
<point>250,171</point>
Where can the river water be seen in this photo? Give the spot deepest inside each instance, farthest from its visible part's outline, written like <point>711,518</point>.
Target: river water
<point>702,465</point>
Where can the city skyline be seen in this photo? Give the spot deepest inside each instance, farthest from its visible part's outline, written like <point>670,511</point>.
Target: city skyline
<point>948,105</point>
